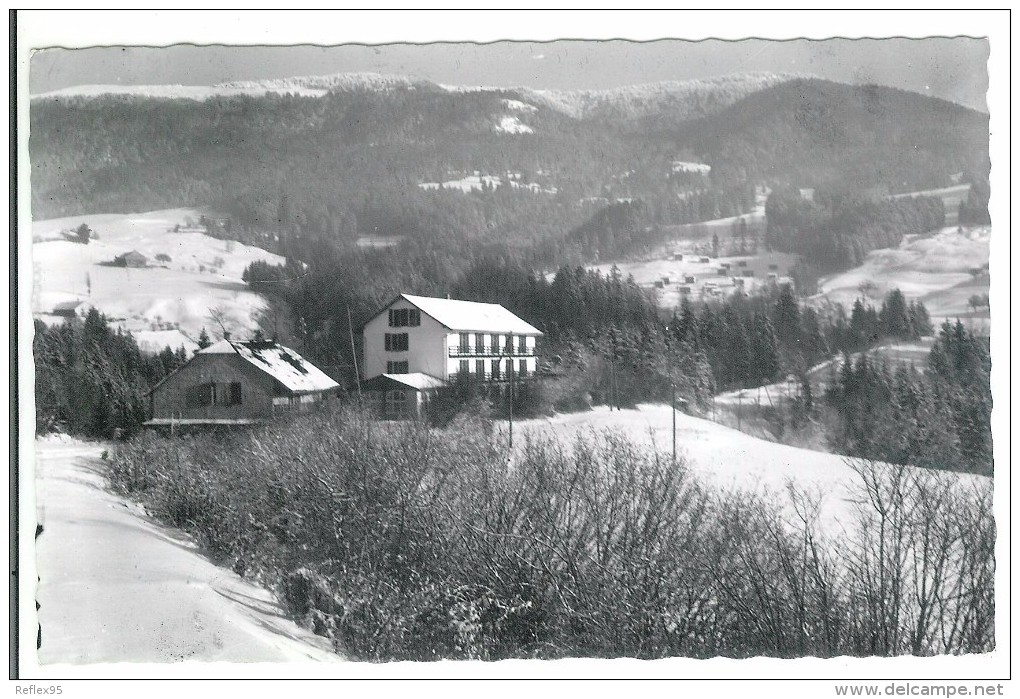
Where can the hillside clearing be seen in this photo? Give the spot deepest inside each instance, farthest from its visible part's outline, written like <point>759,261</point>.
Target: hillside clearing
<point>167,302</point>
<point>937,270</point>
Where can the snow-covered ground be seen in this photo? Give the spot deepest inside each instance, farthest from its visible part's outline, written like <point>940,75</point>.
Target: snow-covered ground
<point>116,587</point>
<point>721,455</point>
<point>478,181</point>
<point>935,269</point>
<point>512,124</point>
<point>166,303</point>
<point>190,92</point>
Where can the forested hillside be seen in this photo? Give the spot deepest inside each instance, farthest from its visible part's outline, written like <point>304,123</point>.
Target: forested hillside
<point>813,133</point>
<point>372,162</point>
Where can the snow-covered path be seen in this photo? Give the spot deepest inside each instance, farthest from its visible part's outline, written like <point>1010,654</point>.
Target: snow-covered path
<point>116,587</point>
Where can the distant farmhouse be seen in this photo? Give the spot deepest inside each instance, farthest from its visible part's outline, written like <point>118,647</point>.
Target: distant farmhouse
<point>239,383</point>
<point>71,309</point>
<point>416,345</point>
<point>131,259</point>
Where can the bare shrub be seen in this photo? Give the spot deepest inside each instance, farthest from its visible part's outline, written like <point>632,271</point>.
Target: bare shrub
<point>401,541</point>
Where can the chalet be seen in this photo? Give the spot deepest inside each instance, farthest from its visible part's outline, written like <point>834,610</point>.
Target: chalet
<point>657,284</point>
<point>71,309</point>
<point>665,280</point>
<point>690,279</point>
<point>238,383</point>
<point>678,257</point>
<point>704,260</point>
<point>417,344</point>
<point>131,259</point>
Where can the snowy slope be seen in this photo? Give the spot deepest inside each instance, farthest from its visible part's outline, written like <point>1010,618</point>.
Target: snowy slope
<point>116,587</point>
<point>162,305</point>
<point>934,269</point>
<point>720,455</point>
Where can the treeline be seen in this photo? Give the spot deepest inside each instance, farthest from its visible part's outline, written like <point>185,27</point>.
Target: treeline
<point>91,380</point>
<point>754,341</point>
<point>836,232</point>
<point>974,210</point>
<point>937,416</point>
<point>638,226</point>
<point>400,542</point>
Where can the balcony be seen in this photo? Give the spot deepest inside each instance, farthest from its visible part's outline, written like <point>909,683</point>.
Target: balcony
<point>472,351</point>
<point>502,377</point>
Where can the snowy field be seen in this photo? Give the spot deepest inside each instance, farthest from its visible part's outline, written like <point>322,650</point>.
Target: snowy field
<point>721,455</point>
<point>116,587</point>
<point>707,272</point>
<point>166,303</point>
<point>934,269</point>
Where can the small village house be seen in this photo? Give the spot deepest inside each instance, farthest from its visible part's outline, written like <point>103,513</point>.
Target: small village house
<point>132,258</point>
<point>239,383</point>
<point>71,309</point>
<point>416,345</point>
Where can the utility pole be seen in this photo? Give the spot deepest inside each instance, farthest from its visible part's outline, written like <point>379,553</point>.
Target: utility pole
<point>510,392</point>
<point>354,353</point>
<point>672,387</point>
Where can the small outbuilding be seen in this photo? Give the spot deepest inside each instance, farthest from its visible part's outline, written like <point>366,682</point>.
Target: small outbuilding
<point>400,396</point>
<point>131,259</point>
<point>239,383</point>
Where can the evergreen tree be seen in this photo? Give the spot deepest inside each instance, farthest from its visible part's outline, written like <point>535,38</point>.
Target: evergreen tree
<point>894,316</point>
<point>203,339</point>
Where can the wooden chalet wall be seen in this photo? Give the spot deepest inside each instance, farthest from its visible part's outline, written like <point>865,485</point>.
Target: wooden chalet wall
<point>170,399</point>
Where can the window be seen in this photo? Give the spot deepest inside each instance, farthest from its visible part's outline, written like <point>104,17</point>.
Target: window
<point>464,341</point>
<point>522,344</point>
<point>495,344</point>
<point>465,368</point>
<point>522,367</point>
<point>480,368</point>
<point>509,344</point>
<point>396,367</point>
<point>396,403</point>
<point>480,343</point>
<point>495,369</point>
<point>233,393</point>
<point>405,317</point>
<point>396,342</point>
<point>201,396</point>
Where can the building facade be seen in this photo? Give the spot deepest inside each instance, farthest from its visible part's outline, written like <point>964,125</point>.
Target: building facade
<point>418,344</point>
<point>446,338</point>
<point>236,383</point>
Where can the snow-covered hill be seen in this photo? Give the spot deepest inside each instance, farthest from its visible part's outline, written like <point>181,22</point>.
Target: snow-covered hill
<point>166,303</point>
<point>682,99</point>
<point>721,455</point>
<point>190,92</point>
<point>338,82</point>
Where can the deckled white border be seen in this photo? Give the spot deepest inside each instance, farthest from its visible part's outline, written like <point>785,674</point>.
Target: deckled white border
<point>89,28</point>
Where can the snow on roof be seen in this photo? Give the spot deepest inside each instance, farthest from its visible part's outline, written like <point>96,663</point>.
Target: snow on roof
<point>285,365</point>
<point>472,316</point>
<point>416,380</point>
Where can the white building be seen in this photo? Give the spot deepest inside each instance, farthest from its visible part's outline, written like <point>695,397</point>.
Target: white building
<point>418,343</point>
